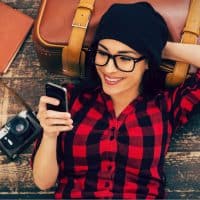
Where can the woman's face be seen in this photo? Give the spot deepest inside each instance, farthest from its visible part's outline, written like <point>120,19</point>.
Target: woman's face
<point>118,83</point>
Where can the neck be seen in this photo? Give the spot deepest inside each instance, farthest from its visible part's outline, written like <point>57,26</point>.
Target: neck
<point>121,101</point>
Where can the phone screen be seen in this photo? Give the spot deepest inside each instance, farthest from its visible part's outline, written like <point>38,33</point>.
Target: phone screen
<point>58,92</point>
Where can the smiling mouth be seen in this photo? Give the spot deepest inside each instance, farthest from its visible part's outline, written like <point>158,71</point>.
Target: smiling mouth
<point>111,80</point>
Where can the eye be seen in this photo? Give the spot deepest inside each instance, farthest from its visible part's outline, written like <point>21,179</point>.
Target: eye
<point>125,58</point>
<point>102,53</point>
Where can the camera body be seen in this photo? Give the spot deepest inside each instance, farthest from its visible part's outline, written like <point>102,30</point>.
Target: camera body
<point>19,132</point>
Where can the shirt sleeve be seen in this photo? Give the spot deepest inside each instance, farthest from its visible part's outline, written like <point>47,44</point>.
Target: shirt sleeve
<point>184,99</point>
<point>70,96</point>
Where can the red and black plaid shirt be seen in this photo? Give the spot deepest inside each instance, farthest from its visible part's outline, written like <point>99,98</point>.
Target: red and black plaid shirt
<point>109,157</point>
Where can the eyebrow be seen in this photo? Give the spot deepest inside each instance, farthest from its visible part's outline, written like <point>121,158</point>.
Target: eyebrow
<point>133,52</point>
<point>101,45</point>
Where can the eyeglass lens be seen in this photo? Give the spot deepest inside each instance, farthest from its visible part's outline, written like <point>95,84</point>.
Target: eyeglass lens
<point>122,62</point>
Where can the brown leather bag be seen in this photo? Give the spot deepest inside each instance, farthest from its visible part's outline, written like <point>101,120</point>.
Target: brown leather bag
<point>64,30</point>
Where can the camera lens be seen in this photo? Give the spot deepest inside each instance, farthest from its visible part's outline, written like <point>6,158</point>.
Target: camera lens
<point>19,126</point>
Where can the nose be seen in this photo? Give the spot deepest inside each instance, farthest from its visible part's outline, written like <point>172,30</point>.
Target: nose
<point>110,67</point>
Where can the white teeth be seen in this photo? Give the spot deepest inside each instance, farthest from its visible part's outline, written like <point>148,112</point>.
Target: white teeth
<point>112,79</point>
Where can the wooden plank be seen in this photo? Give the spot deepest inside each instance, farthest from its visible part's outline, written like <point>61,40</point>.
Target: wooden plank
<point>21,195</point>
<point>187,138</point>
<point>4,94</point>
<point>183,194</point>
<point>170,195</point>
<point>182,171</point>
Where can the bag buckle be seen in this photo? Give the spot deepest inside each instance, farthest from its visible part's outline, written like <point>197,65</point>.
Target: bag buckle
<point>79,25</point>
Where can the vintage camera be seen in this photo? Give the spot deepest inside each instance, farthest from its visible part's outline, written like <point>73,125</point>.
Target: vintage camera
<point>18,133</point>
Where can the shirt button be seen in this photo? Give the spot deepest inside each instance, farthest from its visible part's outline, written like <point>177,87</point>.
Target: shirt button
<point>112,137</point>
<point>107,184</point>
<point>109,167</point>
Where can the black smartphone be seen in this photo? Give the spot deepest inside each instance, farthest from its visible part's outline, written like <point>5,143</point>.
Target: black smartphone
<point>58,92</point>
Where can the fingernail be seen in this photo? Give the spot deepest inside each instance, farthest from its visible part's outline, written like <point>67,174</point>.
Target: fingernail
<point>68,114</point>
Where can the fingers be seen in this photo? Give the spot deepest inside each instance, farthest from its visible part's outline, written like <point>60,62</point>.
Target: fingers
<point>59,121</point>
<point>44,100</point>
<point>55,130</point>
<point>53,122</point>
<point>57,114</point>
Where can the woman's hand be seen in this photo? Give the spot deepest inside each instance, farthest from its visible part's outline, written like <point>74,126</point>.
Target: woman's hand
<point>188,53</point>
<point>53,122</point>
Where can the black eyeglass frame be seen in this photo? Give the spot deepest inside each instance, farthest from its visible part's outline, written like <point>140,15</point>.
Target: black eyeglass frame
<point>113,57</point>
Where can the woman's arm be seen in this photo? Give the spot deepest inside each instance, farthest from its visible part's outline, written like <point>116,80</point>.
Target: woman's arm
<point>45,166</point>
<point>189,53</point>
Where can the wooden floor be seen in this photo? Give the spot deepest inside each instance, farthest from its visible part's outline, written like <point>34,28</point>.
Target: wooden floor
<point>28,78</point>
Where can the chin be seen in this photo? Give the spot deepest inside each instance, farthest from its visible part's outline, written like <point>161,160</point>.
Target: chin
<point>110,90</point>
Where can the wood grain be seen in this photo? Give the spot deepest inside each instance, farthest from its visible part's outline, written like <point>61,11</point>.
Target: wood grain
<point>27,77</point>
<point>180,168</point>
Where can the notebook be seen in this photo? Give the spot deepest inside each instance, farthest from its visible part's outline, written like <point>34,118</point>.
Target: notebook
<point>14,26</point>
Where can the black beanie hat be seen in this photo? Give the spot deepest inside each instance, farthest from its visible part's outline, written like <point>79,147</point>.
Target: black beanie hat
<point>137,25</point>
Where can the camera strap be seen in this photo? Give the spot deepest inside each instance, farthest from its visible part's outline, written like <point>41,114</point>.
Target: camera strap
<point>18,97</point>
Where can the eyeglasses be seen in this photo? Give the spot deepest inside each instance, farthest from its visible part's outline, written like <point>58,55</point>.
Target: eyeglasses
<point>122,62</point>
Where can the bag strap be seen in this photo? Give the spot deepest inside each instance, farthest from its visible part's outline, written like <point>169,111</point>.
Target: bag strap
<point>191,32</point>
<point>71,54</point>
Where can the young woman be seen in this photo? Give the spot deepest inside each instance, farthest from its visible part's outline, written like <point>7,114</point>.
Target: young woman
<point>113,141</point>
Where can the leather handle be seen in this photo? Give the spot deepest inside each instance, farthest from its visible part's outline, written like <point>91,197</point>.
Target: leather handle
<point>71,54</point>
<point>190,35</point>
